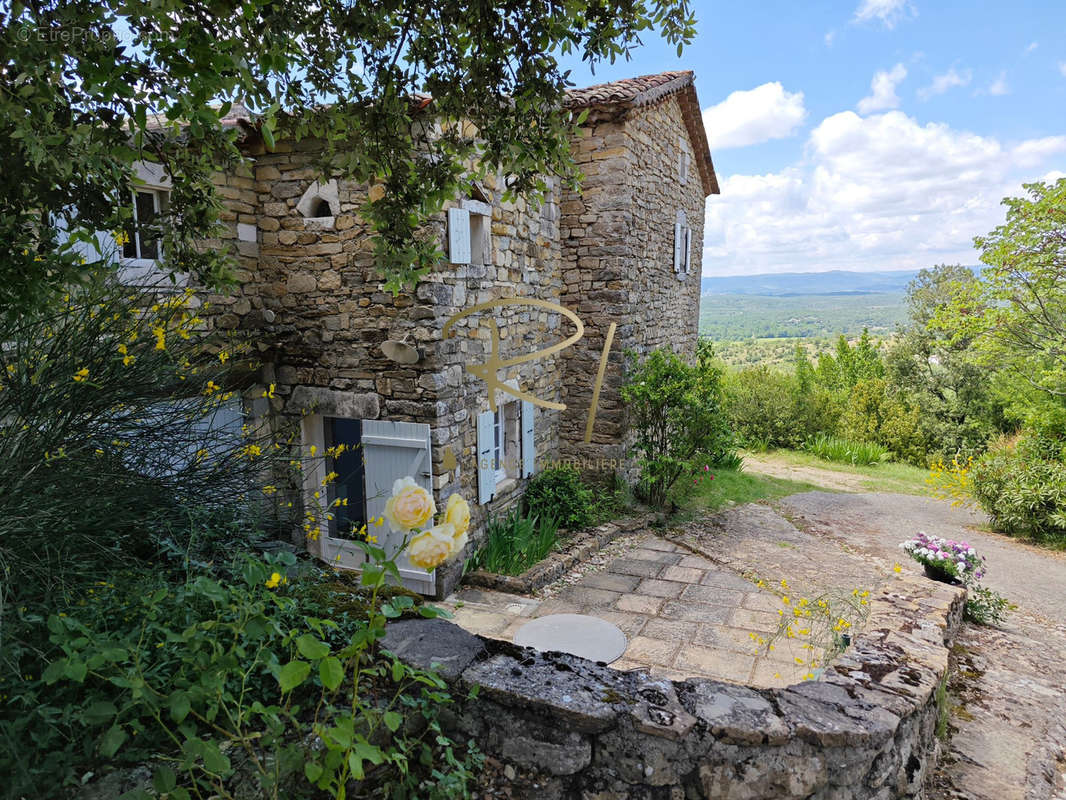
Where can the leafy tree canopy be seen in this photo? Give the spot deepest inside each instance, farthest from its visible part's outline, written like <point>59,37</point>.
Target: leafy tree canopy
<point>90,87</point>
<point>1016,312</point>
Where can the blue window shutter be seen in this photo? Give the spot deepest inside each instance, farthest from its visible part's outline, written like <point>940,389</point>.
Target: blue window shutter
<point>678,243</point>
<point>458,235</point>
<point>486,466</point>
<point>394,450</point>
<point>529,447</point>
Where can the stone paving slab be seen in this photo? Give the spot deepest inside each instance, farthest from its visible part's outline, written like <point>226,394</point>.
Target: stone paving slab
<point>683,615</point>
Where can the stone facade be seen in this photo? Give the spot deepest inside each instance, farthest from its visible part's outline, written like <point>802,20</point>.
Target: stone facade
<point>309,293</point>
<point>641,177</point>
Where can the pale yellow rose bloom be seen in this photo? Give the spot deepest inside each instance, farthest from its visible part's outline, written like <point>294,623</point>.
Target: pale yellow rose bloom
<point>431,548</point>
<point>457,512</point>
<point>410,506</point>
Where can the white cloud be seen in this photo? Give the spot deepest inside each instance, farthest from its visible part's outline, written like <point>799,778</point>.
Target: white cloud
<point>757,115</point>
<point>1032,152</point>
<point>889,12</point>
<point>999,85</point>
<point>883,90</point>
<point>1032,46</point>
<point>875,192</point>
<point>1062,68</point>
<point>829,37</point>
<point>944,82</point>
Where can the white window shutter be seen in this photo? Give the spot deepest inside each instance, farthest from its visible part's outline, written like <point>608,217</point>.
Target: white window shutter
<point>486,467</point>
<point>459,235</point>
<point>394,450</point>
<point>677,247</point>
<point>529,447</point>
<point>688,249</point>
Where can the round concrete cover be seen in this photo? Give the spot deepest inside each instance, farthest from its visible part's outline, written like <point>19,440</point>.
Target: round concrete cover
<point>578,634</point>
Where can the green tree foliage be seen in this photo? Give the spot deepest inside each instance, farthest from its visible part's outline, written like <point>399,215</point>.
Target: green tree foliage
<point>676,413</point>
<point>1021,485</point>
<point>876,413</point>
<point>938,372</point>
<point>90,88</point>
<point>1015,314</point>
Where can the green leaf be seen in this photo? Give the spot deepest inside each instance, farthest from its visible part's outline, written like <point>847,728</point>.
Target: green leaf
<point>392,720</point>
<point>312,770</point>
<point>111,741</point>
<point>76,670</point>
<point>398,671</point>
<point>179,706</point>
<point>331,672</point>
<point>54,671</point>
<point>164,780</point>
<point>312,648</point>
<point>99,712</point>
<point>293,674</point>
<point>214,761</point>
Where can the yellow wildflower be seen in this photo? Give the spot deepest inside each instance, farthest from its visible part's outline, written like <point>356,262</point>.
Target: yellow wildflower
<point>160,334</point>
<point>81,374</point>
<point>269,392</point>
<point>273,580</point>
<point>897,568</point>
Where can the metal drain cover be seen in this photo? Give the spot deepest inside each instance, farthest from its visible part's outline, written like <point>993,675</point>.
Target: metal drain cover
<point>578,634</point>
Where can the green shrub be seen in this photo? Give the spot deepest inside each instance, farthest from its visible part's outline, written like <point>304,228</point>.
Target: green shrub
<point>769,408</point>
<point>106,436</point>
<point>1021,489</point>
<point>559,493</point>
<point>223,684</point>
<point>515,543</point>
<point>676,413</point>
<point>846,451</point>
<point>875,414</point>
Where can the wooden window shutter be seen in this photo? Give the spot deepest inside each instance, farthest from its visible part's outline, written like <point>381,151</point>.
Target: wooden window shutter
<point>529,447</point>
<point>486,466</point>
<point>394,450</point>
<point>459,235</point>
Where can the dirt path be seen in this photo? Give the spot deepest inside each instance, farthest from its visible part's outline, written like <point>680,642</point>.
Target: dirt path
<point>830,479</point>
<point>1008,713</point>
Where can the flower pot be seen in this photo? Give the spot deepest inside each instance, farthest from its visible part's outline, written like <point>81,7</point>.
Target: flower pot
<point>938,574</point>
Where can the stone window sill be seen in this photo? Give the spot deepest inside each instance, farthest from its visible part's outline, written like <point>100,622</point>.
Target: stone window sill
<point>505,486</point>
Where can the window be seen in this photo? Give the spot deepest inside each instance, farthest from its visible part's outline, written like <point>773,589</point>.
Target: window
<point>470,233</point>
<point>682,246</point>
<point>499,451</point>
<point>142,237</point>
<point>682,166</point>
<point>349,485</point>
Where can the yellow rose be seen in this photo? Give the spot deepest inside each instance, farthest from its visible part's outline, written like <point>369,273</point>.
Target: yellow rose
<point>410,506</point>
<point>457,512</point>
<point>431,548</point>
<point>459,541</point>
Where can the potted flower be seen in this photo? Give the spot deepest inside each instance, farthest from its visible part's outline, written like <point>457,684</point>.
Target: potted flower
<point>945,560</point>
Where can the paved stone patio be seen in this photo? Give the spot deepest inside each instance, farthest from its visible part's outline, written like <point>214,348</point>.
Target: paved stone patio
<point>684,617</point>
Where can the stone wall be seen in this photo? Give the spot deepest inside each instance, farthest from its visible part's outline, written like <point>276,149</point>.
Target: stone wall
<point>582,730</point>
<point>309,295</point>
<point>618,260</point>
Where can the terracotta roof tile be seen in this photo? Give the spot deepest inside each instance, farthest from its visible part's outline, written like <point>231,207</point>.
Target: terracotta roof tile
<point>629,91</point>
<point>632,93</point>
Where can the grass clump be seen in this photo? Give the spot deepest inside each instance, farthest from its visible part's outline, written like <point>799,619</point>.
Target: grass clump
<point>515,543</point>
<point>846,451</point>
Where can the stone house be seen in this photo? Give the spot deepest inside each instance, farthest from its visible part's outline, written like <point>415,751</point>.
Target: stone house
<point>350,363</point>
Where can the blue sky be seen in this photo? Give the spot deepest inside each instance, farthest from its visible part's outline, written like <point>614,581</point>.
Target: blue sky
<point>868,134</point>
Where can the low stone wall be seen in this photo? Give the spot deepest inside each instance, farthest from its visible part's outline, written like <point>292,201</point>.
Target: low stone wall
<point>865,731</point>
<point>582,544</point>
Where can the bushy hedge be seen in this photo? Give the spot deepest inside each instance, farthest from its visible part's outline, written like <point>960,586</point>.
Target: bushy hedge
<point>677,414</point>
<point>559,493</point>
<point>1021,485</point>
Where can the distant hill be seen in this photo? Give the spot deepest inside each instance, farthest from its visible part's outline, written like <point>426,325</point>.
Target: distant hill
<point>791,284</point>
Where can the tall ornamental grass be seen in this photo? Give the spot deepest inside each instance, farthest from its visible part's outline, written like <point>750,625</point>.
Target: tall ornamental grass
<point>119,434</point>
